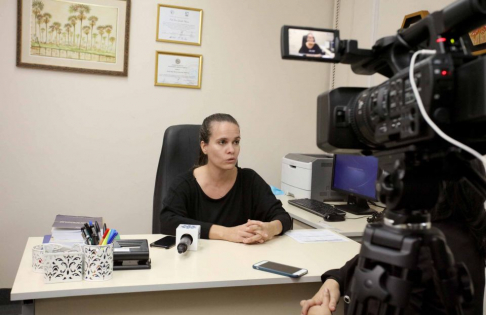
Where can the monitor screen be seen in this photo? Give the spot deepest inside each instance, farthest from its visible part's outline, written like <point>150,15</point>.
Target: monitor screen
<point>355,175</point>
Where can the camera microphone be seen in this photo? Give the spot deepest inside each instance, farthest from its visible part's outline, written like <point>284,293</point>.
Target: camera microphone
<point>184,243</point>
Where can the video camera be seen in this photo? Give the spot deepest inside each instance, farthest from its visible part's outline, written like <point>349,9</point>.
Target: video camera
<point>451,84</point>
<point>407,122</point>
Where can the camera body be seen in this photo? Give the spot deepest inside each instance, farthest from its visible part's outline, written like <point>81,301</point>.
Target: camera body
<point>353,120</point>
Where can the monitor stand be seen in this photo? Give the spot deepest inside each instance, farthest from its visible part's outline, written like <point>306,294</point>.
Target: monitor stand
<point>356,205</point>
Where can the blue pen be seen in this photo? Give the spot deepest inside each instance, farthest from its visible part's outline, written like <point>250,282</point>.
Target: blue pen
<point>112,238</point>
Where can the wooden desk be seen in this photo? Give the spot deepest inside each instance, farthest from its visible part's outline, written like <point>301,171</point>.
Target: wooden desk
<point>353,227</point>
<point>216,279</point>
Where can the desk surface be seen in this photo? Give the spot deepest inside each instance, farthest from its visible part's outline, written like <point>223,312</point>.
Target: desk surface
<point>353,226</point>
<point>216,264</point>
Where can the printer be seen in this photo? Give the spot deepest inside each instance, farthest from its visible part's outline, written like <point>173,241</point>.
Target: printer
<point>308,176</point>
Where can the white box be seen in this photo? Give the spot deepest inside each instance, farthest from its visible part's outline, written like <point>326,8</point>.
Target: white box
<point>193,230</point>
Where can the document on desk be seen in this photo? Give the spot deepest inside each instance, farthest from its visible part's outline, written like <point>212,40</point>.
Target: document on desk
<point>329,227</point>
<point>315,236</point>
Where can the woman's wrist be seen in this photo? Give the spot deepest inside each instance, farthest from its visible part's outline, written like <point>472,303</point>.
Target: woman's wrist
<point>276,227</point>
<point>217,232</point>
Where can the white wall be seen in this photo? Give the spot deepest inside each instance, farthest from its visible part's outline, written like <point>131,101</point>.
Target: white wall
<point>369,20</point>
<point>89,144</point>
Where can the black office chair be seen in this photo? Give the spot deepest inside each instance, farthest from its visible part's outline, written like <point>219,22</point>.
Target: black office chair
<point>180,151</point>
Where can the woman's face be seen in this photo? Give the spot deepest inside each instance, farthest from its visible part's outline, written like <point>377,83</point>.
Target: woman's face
<point>310,38</point>
<point>224,145</point>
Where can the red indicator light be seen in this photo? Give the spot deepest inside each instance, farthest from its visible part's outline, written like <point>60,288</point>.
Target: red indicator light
<point>444,72</point>
<point>441,40</point>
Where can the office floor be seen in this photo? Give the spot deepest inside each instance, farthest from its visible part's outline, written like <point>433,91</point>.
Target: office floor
<point>6,306</point>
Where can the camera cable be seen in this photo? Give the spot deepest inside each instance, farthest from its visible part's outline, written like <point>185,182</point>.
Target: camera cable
<point>424,112</point>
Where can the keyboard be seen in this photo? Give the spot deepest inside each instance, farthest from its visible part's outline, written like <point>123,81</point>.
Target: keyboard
<point>316,207</point>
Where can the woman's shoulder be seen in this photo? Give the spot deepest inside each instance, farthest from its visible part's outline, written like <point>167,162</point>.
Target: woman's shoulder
<point>183,181</point>
<point>248,174</point>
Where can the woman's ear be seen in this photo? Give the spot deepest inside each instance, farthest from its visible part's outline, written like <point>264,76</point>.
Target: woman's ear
<point>203,147</point>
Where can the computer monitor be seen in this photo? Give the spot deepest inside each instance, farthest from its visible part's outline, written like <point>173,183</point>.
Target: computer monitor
<point>355,176</point>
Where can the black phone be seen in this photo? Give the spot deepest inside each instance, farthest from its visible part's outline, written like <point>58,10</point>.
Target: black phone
<point>165,242</point>
<point>284,270</point>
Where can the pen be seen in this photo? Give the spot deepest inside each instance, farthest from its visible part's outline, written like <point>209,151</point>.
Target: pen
<point>104,236</point>
<point>112,237</point>
<point>107,237</point>
<point>97,227</point>
<point>95,235</point>
<point>88,232</point>
<point>84,236</point>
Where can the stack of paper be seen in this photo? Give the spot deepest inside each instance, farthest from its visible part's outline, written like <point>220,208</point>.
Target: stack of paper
<point>67,229</point>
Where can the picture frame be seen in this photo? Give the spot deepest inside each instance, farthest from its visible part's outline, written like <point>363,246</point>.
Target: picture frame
<point>179,25</point>
<point>86,36</point>
<point>476,41</point>
<point>178,70</point>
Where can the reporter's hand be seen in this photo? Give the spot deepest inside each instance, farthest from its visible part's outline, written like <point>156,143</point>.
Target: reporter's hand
<point>266,230</point>
<point>319,310</point>
<point>324,301</point>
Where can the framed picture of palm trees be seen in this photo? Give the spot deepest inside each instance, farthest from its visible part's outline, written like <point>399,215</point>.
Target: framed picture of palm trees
<point>89,36</point>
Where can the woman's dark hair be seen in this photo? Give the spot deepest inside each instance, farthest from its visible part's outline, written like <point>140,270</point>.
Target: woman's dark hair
<point>205,133</point>
<point>304,40</point>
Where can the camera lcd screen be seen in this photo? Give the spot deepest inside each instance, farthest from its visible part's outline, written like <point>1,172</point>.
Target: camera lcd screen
<point>309,44</point>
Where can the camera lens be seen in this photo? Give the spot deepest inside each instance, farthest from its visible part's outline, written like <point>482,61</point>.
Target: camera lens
<point>365,115</point>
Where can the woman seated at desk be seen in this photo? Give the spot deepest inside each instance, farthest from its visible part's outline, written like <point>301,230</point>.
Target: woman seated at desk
<point>460,215</point>
<point>228,202</point>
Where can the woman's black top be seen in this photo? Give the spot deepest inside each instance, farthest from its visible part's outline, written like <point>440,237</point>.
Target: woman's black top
<point>424,298</point>
<point>249,198</point>
<point>316,50</point>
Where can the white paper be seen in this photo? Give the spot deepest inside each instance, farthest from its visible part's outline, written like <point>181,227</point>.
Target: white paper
<point>329,227</point>
<point>315,236</point>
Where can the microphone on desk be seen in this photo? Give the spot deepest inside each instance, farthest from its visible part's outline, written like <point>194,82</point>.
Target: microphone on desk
<point>184,243</point>
<point>187,237</point>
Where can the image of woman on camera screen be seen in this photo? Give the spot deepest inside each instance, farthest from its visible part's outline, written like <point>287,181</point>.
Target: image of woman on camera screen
<point>310,48</point>
<point>228,202</point>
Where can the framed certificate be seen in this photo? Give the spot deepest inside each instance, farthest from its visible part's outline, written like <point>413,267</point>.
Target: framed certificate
<point>179,25</point>
<point>178,70</point>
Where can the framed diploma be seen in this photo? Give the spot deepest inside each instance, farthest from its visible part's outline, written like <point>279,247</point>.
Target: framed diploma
<point>178,70</point>
<point>179,25</point>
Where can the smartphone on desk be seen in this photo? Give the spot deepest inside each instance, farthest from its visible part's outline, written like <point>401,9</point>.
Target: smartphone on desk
<point>165,242</point>
<point>284,270</point>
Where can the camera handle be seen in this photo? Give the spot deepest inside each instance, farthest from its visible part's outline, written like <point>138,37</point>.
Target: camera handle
<point>387,269</point>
